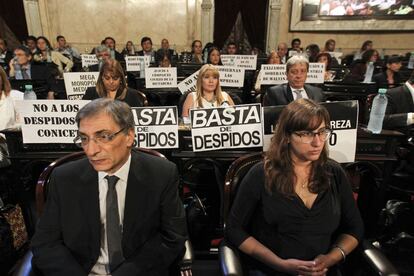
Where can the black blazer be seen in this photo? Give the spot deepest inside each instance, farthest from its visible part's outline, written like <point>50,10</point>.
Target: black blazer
<point>68,235</point>
<point>131,97</point>
<point>381,80</point>
<point>119,56</point>
<point>400,102</point>
<point>282,94</point>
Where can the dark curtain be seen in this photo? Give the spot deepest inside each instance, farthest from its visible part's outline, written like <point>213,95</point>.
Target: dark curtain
<point>12,12</point>
<point>253,14</point>
<point>254,21</point>
<point>225,15</point>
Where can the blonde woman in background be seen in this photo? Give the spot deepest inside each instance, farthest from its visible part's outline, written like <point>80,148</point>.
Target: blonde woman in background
<point>208,92</point>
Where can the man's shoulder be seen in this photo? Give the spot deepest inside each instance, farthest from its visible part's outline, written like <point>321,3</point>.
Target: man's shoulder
<point>151,161</point>
<point>280,87</point>
<point>73,167</point>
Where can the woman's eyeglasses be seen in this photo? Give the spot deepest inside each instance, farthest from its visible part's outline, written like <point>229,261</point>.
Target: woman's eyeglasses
<point>307,137</point>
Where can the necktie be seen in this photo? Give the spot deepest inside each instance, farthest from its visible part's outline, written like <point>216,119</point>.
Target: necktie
<point>298,93</point>
<point>113,227</point>
<point>25,75</point>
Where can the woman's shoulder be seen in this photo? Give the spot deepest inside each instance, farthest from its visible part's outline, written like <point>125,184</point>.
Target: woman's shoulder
<point>90,94</point>
<point>333,166</point>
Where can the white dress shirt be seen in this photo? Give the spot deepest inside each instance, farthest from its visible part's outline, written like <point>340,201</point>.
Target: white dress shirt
<point>102,264</point>
<point>410,119</point>
<point>303,93</point>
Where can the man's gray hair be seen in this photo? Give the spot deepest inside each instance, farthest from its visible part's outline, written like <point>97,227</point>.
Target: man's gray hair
<point>119,111</point>
<point>297,59</point>
<point>102,48</point>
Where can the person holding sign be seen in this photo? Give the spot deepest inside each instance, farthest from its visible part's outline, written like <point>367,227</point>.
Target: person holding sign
<point>208,92</point>
<point>294,213</point>
<point>113,212</point>
<point>296,73</point>
<point>111,84</point>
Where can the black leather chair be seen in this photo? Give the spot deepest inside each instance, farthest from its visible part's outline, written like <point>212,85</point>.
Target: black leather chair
<point>230,264</point>
<point>25,268</point>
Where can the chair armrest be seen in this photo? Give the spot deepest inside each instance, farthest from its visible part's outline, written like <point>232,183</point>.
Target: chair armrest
<point>229,261</point>
<point>378,261</point>
<point>187,259</point>
<point>24,266</point>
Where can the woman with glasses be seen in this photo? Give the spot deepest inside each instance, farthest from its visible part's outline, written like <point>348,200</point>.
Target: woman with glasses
<point>112,84</point>
<point>294,213</point>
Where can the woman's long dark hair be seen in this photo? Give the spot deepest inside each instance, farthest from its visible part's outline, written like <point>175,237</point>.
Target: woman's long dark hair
<point>302,114</point>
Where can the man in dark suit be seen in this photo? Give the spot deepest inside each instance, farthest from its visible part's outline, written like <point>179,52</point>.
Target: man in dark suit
<point>400,107</point>
<point>116,212</point>
<point>103,54</point>
<point>111,44</point>
<point>22,68</point>
<point>296,73</point>
<point>146,44</point>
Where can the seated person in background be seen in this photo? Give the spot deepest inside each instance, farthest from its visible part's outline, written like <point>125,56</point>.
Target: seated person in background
<point>103,54</point>
<point>367,45</point>
<point>295,213</point>
<point>330,47</point>
<point>312,52</point>
<point>146,44</point>
<point>295,45</point>
<point>129,49</point>
<point>390,77</point>
<point>296,74</point>
<point>282,52</point>
<point>196,51</point>
<point>326,59</point>
<point>164,50</point>
<point>273,58</point>
<point>231,48</point>
<point>113,212</point>
<point>164,61</point>
<point>111,84</point>
<point>360,71</point>
<point>5,54</point>
<point>208,92</point>
<point>400,107</point>
<point>45,54</point>
<point>111,44</point>
<point>30,43</point>
<point>7,111</point>
<point>22,68</point>
<point>65,49</point>
<point>214,56</point>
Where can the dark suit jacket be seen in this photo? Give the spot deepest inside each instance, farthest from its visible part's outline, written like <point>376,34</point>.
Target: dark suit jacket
<point>119,56</point>
<point>400,102</point>
<point>68,235</point>
<point>282,94</point>
<point>131,97</point>
<point>381,80</point>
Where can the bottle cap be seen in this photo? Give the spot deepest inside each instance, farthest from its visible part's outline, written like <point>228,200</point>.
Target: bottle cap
<point>382,90</point>
<point>28,87</point>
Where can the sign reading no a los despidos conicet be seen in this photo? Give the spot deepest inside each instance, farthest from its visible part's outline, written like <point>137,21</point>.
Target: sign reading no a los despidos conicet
<point>156,127</point>
<point>226,127</point>
<point>49,121</point>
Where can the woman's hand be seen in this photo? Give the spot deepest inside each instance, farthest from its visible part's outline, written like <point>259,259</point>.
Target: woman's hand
<point>305,268</point>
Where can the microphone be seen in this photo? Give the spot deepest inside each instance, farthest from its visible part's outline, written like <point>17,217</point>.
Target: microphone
<point>225,104</point>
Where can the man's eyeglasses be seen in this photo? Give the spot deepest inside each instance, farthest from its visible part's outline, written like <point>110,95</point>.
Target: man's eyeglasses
<point>100,138</point>
<point>307,137</point>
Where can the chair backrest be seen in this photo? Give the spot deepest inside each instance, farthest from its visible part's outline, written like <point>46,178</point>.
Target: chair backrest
<point>44,178</point>
<point>235,174</point>
<point>142,98</point>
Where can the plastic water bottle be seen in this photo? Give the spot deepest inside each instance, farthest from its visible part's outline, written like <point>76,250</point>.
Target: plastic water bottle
<point>376,116</point>
<point>411,61</point>
<point>142,68</point>
<point>29,94</point>
<point>205,55</point>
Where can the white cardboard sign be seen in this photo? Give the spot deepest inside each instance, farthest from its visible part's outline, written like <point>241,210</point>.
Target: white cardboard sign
<point>88,60</point>
<point>76,83</point>
<point>159,77</point>
<point>248,62</point>
<point>49,121</point>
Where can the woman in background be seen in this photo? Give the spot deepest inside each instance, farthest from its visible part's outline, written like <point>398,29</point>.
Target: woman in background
<point>111,83</point>
<point>214,56</point>
<point>45,53</point>
<point>208,92</point>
